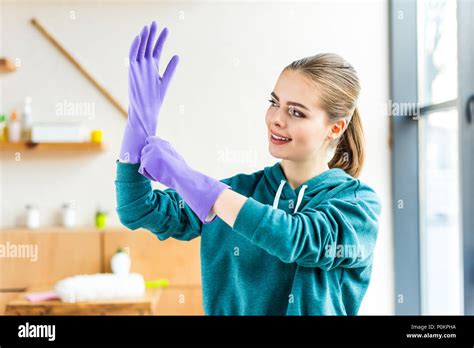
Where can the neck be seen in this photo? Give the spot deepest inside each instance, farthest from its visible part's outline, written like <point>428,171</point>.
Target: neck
<point>299,172</point>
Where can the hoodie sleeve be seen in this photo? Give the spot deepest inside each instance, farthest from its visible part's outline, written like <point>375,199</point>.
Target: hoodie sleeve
<point>336,233</point>
<point>163,213</point>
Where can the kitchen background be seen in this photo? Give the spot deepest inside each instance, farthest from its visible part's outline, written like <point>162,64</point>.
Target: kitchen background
<point>231,55</point>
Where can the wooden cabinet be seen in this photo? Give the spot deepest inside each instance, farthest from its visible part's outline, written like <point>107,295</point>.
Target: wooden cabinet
<point>47,255</point>
<point>57,253</point>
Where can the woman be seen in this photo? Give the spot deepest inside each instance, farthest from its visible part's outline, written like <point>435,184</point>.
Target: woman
<point>295,238</point>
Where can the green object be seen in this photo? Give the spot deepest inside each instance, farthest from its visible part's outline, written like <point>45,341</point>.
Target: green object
<point>157,283</point>
<point>100,219</point>
<point>3,128</point>
<point>273,261</point>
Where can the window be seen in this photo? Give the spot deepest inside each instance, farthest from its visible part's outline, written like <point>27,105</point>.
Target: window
<point>431,66</point>
<point>440,249</point>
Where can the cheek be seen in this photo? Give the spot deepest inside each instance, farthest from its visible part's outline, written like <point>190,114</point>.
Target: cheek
<point>302,135</point>
<point>309,135</point>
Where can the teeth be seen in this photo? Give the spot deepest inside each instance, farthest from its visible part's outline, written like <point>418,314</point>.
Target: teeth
<point>279,138</point>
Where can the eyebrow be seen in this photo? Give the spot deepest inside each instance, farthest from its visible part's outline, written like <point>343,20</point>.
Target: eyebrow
<point>290,103</point>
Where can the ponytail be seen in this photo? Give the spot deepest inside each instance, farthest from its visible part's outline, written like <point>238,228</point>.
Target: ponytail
<point>350,151</point>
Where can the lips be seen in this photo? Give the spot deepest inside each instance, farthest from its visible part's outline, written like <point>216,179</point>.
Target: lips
<point>279,136</point>
<point>278,139</point>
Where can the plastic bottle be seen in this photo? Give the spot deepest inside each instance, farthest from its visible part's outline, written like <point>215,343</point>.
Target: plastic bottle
<point>32,217</point>
<point>100,218</point>
<point>14,129</point>
<point>69,215</point>
<point>3,123</point>
<point>27,119</point>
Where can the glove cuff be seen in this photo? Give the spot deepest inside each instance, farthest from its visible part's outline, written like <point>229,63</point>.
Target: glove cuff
<point>200,192</point>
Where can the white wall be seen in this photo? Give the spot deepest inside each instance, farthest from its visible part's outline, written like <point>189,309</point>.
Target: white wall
<point>231,55</point>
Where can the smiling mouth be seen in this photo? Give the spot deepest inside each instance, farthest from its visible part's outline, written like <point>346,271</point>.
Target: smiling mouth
<point>279,138</point>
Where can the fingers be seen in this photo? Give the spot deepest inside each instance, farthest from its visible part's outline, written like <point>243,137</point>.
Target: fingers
<point>159,44</point>
<point>154,139</point>
<point>152,143</point>
<point>134,48</point>
<point>170,69</point>
<point>151,40</point>
<point>143,46</point>
<point>146,150</point>
<point>143,43</point>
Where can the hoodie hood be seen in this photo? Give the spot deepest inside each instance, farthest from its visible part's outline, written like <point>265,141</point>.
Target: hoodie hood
<point>282,190</point>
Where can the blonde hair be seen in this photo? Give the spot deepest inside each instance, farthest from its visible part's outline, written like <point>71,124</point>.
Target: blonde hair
<point>339,89</point>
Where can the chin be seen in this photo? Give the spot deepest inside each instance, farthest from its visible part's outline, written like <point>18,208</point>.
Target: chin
<point>275,154</point>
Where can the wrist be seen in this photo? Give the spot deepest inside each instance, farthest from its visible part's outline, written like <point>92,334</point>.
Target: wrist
<point>201,192</point>
<point>132,145</point>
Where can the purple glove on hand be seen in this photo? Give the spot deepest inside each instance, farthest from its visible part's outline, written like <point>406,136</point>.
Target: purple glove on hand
<point>160,162</point>
<point>146,91</point>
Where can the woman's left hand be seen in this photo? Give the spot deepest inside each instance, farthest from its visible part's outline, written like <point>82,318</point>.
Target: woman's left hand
<point>160,162</point>
<point>146,90</point>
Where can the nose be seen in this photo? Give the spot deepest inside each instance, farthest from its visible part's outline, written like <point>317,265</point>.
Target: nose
<point>279,118</point>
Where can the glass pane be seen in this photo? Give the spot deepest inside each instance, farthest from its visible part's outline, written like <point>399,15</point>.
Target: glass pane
<point>439,211</point>
<point>437,51</point>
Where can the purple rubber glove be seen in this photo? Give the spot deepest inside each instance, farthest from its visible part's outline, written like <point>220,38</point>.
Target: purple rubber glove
<point>160,162</point>
<point>146,91</point>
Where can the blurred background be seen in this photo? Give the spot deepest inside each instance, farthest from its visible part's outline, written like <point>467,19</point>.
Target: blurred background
<point>63,86</point>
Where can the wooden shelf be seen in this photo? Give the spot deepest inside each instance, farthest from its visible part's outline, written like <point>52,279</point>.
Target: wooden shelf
<point>29,146</point>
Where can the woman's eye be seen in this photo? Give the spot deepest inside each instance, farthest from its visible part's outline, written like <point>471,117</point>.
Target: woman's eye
<point>272,102</point>
<point>291,109</point>
<point>293,112</point>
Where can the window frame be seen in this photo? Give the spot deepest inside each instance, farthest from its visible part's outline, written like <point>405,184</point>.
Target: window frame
<point>405,152</point>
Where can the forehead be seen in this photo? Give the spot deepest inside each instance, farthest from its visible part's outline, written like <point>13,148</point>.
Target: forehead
<point>294,86</point>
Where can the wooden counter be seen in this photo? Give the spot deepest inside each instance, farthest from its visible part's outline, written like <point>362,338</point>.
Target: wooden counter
<point>63,253</point>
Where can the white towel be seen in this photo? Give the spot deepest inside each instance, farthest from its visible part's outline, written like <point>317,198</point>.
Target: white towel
<point>101,286</point>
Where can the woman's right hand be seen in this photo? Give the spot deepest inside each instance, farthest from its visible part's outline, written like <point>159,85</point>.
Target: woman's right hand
<point>146,89</point>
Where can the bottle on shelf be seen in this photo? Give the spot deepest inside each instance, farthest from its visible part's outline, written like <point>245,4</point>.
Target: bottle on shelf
<point>69,215</point>
<point>32,216</point>
<point>3,127</point>
<point>27,119</point>
<point>100,218</point>
<point>14,129</point>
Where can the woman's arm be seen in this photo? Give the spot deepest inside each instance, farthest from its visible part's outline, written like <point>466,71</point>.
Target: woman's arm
<point>336,233</point>
<point>228,206</point>
<point>163,213</point>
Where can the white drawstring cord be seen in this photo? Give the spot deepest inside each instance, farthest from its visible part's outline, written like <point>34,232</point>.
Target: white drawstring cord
<point>278,194</point>
<point>300,197</point>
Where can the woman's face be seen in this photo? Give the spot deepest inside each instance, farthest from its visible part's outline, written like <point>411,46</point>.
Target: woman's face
<point>294,114</point>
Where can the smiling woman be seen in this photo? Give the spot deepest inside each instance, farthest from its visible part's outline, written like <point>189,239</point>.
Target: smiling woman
<point>267,248</point>
<point>320,116</point>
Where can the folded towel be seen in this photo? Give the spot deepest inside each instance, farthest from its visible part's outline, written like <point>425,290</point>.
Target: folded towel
<point>101,286</point>
<point>41,296</point>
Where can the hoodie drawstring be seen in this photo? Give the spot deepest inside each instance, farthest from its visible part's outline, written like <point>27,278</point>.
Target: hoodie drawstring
<point>278,194</point>
<point>300,197</point>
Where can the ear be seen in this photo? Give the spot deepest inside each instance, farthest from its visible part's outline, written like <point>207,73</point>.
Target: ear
<point>337,129</point>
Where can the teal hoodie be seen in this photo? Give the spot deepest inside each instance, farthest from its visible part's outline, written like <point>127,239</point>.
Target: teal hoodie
<point>306,251</point>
